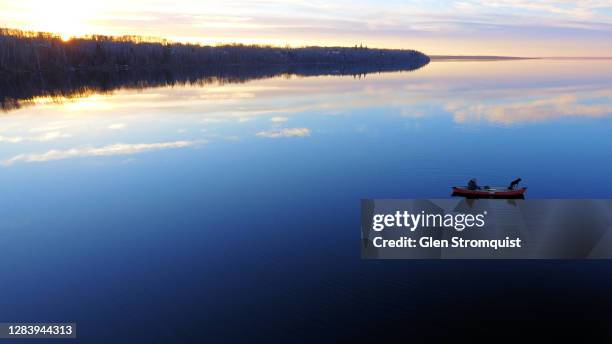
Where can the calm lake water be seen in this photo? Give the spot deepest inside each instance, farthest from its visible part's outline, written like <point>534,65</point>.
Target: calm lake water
<point>232,211</point>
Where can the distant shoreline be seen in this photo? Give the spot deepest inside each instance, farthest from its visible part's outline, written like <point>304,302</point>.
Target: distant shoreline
<point>42,64</point>
<point>44,52</point>
<point>442,58</point>
<point>478,58</point>
<point>577,58</point>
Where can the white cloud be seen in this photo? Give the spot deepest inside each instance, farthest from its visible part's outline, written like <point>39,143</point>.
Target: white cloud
<point>109,150</point>
<point>564,105</point>
<point>54,127</point>
<point>287,132</point>
<point>116,126</point>
<point>48,136</point>
<point>278,119</point>
<point>11,139</point>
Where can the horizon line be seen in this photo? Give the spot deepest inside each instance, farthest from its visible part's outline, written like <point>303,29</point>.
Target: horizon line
<point>161,40</point>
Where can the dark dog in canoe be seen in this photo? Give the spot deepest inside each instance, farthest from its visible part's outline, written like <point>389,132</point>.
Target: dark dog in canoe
<point>514,184</point>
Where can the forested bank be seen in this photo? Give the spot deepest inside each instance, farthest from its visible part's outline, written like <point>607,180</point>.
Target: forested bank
<point>36,51</point>
<point>40,64</point>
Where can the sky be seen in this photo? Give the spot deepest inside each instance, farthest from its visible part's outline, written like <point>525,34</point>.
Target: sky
<point>497,27</point>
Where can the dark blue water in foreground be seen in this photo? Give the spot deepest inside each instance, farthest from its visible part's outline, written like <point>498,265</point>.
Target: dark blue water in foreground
<point>231,212</point>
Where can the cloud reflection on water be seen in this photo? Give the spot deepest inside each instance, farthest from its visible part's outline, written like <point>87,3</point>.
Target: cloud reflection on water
<point>507,93</point>
<point>537,110</point>
<point>286,132</point>
<point>109,150</point>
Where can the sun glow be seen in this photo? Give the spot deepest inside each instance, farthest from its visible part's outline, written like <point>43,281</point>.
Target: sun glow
<point>67,18</point>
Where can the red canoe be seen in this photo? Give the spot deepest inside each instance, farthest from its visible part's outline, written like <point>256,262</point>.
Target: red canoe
<point>489,192</point>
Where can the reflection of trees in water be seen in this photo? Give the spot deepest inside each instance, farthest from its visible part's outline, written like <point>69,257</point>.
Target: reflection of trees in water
<point>17,90</point>
<point>38,64</point>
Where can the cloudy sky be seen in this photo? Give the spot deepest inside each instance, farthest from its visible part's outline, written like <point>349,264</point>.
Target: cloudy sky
<point>499,27</point>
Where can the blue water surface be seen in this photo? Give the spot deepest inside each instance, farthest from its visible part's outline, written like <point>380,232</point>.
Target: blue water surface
<point>225,213</point>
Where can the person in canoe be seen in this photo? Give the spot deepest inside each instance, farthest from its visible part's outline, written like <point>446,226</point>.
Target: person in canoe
<point>514,184</point>
<point>473,190</point>
<point>473,185</point>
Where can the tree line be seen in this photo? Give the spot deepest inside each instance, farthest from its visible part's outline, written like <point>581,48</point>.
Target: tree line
<point>35,64</point>
<point>22,51</point>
